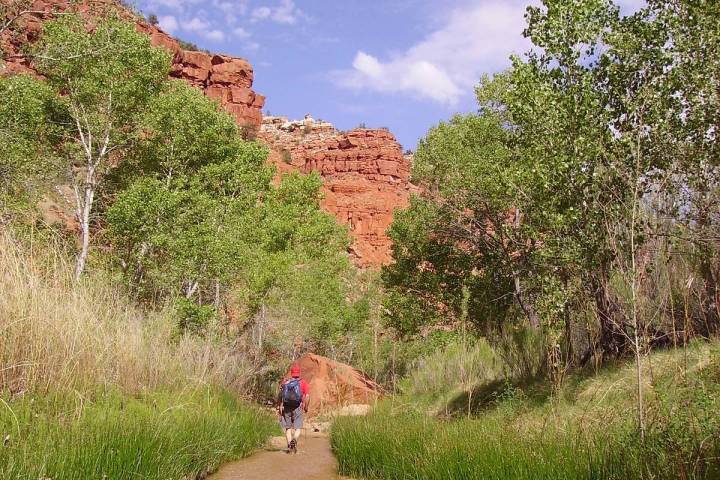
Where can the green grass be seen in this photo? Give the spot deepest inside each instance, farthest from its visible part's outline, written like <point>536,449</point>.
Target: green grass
<point>585,431</point>
<point>114,436</point>
<point>93,386</point>
<point>414,446</point>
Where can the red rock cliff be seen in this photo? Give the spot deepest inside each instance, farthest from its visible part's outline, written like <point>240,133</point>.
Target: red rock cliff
<point>227,79</point>
<point>365,176</point>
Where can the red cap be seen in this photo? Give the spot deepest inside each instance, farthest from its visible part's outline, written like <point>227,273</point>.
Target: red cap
<point>295,370</point>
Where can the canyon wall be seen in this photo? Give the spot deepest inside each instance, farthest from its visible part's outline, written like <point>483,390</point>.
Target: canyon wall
<point>365,176</point>
<point>224,78</point>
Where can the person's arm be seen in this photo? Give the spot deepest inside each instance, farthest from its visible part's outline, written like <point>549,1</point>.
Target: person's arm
<point>306,395</point>
<point>279,401</point>
<point>306,402</point>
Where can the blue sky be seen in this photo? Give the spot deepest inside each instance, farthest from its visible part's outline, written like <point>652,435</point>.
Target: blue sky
<point>401,64</point>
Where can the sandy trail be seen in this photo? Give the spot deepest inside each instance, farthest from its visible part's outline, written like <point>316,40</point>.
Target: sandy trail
<point>314,461</point>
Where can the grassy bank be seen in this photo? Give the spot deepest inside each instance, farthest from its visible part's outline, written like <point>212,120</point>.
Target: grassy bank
<point>93,386</point>
<point>63,336</point>
<point>585,431</point>
<point>111,435</point>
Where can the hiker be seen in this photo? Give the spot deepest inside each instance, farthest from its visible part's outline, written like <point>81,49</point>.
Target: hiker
<point>293,402</point>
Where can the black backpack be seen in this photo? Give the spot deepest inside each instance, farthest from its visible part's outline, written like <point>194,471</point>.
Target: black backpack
<point>291,394</point>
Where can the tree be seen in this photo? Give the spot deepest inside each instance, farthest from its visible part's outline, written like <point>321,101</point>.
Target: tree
<point>685,137</point>
<point>516,186</point>
<point>186,189</point>
<point>608,161</point>
<point>565,124</point>
<point>106,77</point>
<point>457,235</point>
<point>27,157</point>
<point>196,217</point>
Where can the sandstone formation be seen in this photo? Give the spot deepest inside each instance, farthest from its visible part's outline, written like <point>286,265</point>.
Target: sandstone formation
<point>334,384</point>
<point>366,176</point>
<point>227,79</point>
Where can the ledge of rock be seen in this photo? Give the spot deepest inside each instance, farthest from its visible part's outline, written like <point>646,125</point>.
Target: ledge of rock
<point>227,79</point>
<point>365,176</point>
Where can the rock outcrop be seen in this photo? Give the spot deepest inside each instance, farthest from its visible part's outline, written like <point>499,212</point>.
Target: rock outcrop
<point>334,385</point>
<point>365,176</point>
<point>227,79</point>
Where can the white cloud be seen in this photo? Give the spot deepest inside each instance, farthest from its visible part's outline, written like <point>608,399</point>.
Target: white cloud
<point>419,77</point>
<point>236,7</point>
<point>168,23</point>
<point>368,65</point>
<point>171,4</point>
<point>215,35</point>
<point>250,46</point>
<point>448,62</point>
<point>286,12</point>
<point>177,5</point>
<point>261,13</point>
<point>203,28</point>
<point>245,43</point>
<point>241,33</point>
<point>195,25</point>
<point>201,17</point>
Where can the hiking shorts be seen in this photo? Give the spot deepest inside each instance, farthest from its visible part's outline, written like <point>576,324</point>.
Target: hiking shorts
<point>292,418</point>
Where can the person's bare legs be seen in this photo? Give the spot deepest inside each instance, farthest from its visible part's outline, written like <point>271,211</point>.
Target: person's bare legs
<point>288,436</point>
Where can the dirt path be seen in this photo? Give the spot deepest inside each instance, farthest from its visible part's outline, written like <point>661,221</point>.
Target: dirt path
<point>314,461</point>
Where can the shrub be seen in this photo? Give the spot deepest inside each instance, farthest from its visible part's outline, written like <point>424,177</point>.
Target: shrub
<point>523,352</point>
<point>185,45</point>
<point>193,318</point>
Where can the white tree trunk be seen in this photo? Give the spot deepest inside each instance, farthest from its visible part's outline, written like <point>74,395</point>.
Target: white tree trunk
<point>84,201</point>
<point>96,151</point>
<point>190,289</point>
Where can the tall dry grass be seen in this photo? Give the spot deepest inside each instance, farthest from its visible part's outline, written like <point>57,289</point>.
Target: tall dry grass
<point>62,336</point>
<point>447,379</point>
